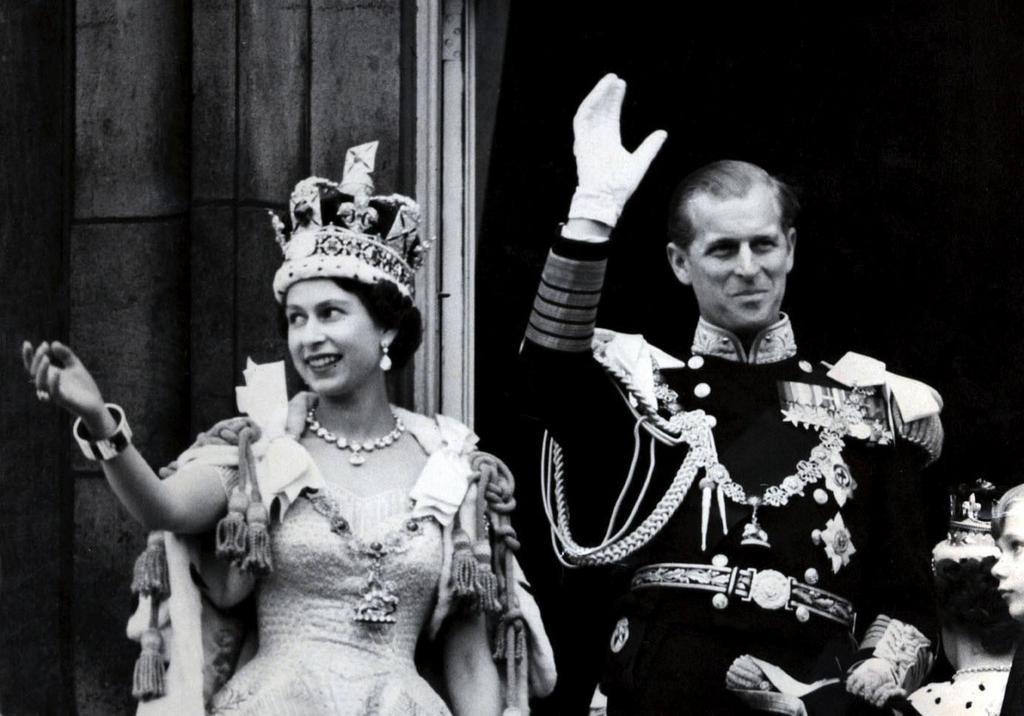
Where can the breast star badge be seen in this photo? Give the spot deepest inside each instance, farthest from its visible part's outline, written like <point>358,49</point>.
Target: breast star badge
<point>838,545</point>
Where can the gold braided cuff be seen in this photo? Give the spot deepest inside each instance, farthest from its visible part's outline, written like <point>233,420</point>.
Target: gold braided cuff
<point>903,646</point>
<point>565,307</point>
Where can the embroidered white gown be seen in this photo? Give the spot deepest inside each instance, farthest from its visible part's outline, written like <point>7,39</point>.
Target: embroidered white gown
<point>978,693</point>
<point>314,657</point>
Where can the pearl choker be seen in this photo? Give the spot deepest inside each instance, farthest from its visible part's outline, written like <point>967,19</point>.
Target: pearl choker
<point>981,669</point>
<point>356,447</point>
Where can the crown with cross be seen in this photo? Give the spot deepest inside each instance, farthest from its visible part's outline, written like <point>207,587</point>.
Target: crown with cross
<point>342,230</point>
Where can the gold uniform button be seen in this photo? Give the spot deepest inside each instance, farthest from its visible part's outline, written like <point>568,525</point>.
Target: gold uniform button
<point>620,635</point>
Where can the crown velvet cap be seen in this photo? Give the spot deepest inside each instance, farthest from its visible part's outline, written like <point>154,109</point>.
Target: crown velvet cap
<point>970,524</point>
<point>341,230</point>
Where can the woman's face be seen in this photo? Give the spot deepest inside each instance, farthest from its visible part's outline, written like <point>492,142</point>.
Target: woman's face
<point>334,343</point>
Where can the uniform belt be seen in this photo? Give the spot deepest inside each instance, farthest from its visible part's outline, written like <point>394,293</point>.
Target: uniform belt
<point>765,588</point>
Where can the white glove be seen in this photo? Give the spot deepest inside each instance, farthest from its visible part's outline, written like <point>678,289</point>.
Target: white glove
<point>873,681</point>
<point>607,174</point>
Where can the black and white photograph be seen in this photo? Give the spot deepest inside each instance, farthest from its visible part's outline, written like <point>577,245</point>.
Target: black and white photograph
<point>473,357</point>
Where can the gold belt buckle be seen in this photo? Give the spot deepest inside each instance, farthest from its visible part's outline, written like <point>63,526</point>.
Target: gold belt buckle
<point>770,589</point>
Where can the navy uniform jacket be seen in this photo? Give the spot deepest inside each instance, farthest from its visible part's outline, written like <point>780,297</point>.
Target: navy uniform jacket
<point>662,646</point>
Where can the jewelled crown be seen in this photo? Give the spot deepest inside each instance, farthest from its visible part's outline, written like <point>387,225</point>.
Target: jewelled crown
<point>341,230</point>
<point>970,523</point>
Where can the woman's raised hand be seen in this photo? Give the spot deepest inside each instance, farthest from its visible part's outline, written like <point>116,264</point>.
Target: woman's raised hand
<point>59,376</point>
<point>607,173</point>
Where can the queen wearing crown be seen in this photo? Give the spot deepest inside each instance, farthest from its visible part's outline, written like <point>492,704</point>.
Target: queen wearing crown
<point>371,544</point>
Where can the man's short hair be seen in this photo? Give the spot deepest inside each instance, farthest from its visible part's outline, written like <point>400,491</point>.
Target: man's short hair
<point>725,179</point>
<point>1005,504</point>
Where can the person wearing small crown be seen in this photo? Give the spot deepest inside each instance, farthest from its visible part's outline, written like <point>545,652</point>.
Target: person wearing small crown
<point>978,633</point>
<point>743,525</point>
<point>358,526</point>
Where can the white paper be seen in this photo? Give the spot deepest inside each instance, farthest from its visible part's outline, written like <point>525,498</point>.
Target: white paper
<point>264,397</point>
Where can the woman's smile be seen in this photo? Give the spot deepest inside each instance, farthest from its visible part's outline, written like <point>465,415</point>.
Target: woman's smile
<point>334,343</point>
<point>323,362</point>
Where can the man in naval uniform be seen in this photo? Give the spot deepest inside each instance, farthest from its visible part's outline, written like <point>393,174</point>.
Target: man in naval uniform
<point>745,521</point>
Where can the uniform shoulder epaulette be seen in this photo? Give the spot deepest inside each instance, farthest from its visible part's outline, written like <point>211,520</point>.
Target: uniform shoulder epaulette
<point>914,406</point>
<point>631,362</point>
<point>633,365</point>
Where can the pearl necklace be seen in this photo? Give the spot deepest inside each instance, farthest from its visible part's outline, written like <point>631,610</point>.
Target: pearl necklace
<point>981,670</point>
<point>356,447</point>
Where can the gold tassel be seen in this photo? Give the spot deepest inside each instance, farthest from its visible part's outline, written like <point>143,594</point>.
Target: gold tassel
<point>500,640</point>
<point>520,645</point>
<point>148,679</point>
<point>258,559</point>
<point>464,565</point>
<point>231,530</point>
<point>486,582</point>
<point>150,576</point>
<point>487,589</point>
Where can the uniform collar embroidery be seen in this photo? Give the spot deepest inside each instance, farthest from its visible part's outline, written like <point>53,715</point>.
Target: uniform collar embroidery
<point>775,343</point>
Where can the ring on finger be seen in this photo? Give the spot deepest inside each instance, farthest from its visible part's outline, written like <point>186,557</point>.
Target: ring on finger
<point>42,396</point>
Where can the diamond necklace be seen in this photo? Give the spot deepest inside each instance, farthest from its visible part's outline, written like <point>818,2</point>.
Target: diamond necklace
<point>356,447</point>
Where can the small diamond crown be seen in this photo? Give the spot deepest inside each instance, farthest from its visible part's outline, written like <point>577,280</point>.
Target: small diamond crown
<point>340,229</point>
<point>970,522</point>
<point>970,515</point>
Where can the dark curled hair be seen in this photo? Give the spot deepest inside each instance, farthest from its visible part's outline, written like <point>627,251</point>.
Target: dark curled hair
<point>967,598</point>
<point>389,308</point>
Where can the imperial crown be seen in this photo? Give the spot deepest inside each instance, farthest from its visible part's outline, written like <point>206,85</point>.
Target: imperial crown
<point>340,229</point>
<point>970,523</point>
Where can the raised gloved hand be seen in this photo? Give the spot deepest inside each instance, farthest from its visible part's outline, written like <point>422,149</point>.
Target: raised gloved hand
<point>873,681</point>
<point>607,173</point>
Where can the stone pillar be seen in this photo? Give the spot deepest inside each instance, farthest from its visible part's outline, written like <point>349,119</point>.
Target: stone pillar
<point>128,296</point>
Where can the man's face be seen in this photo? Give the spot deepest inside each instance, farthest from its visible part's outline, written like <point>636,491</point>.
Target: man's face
<point>738,260</point>
<point>1009,570</point>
